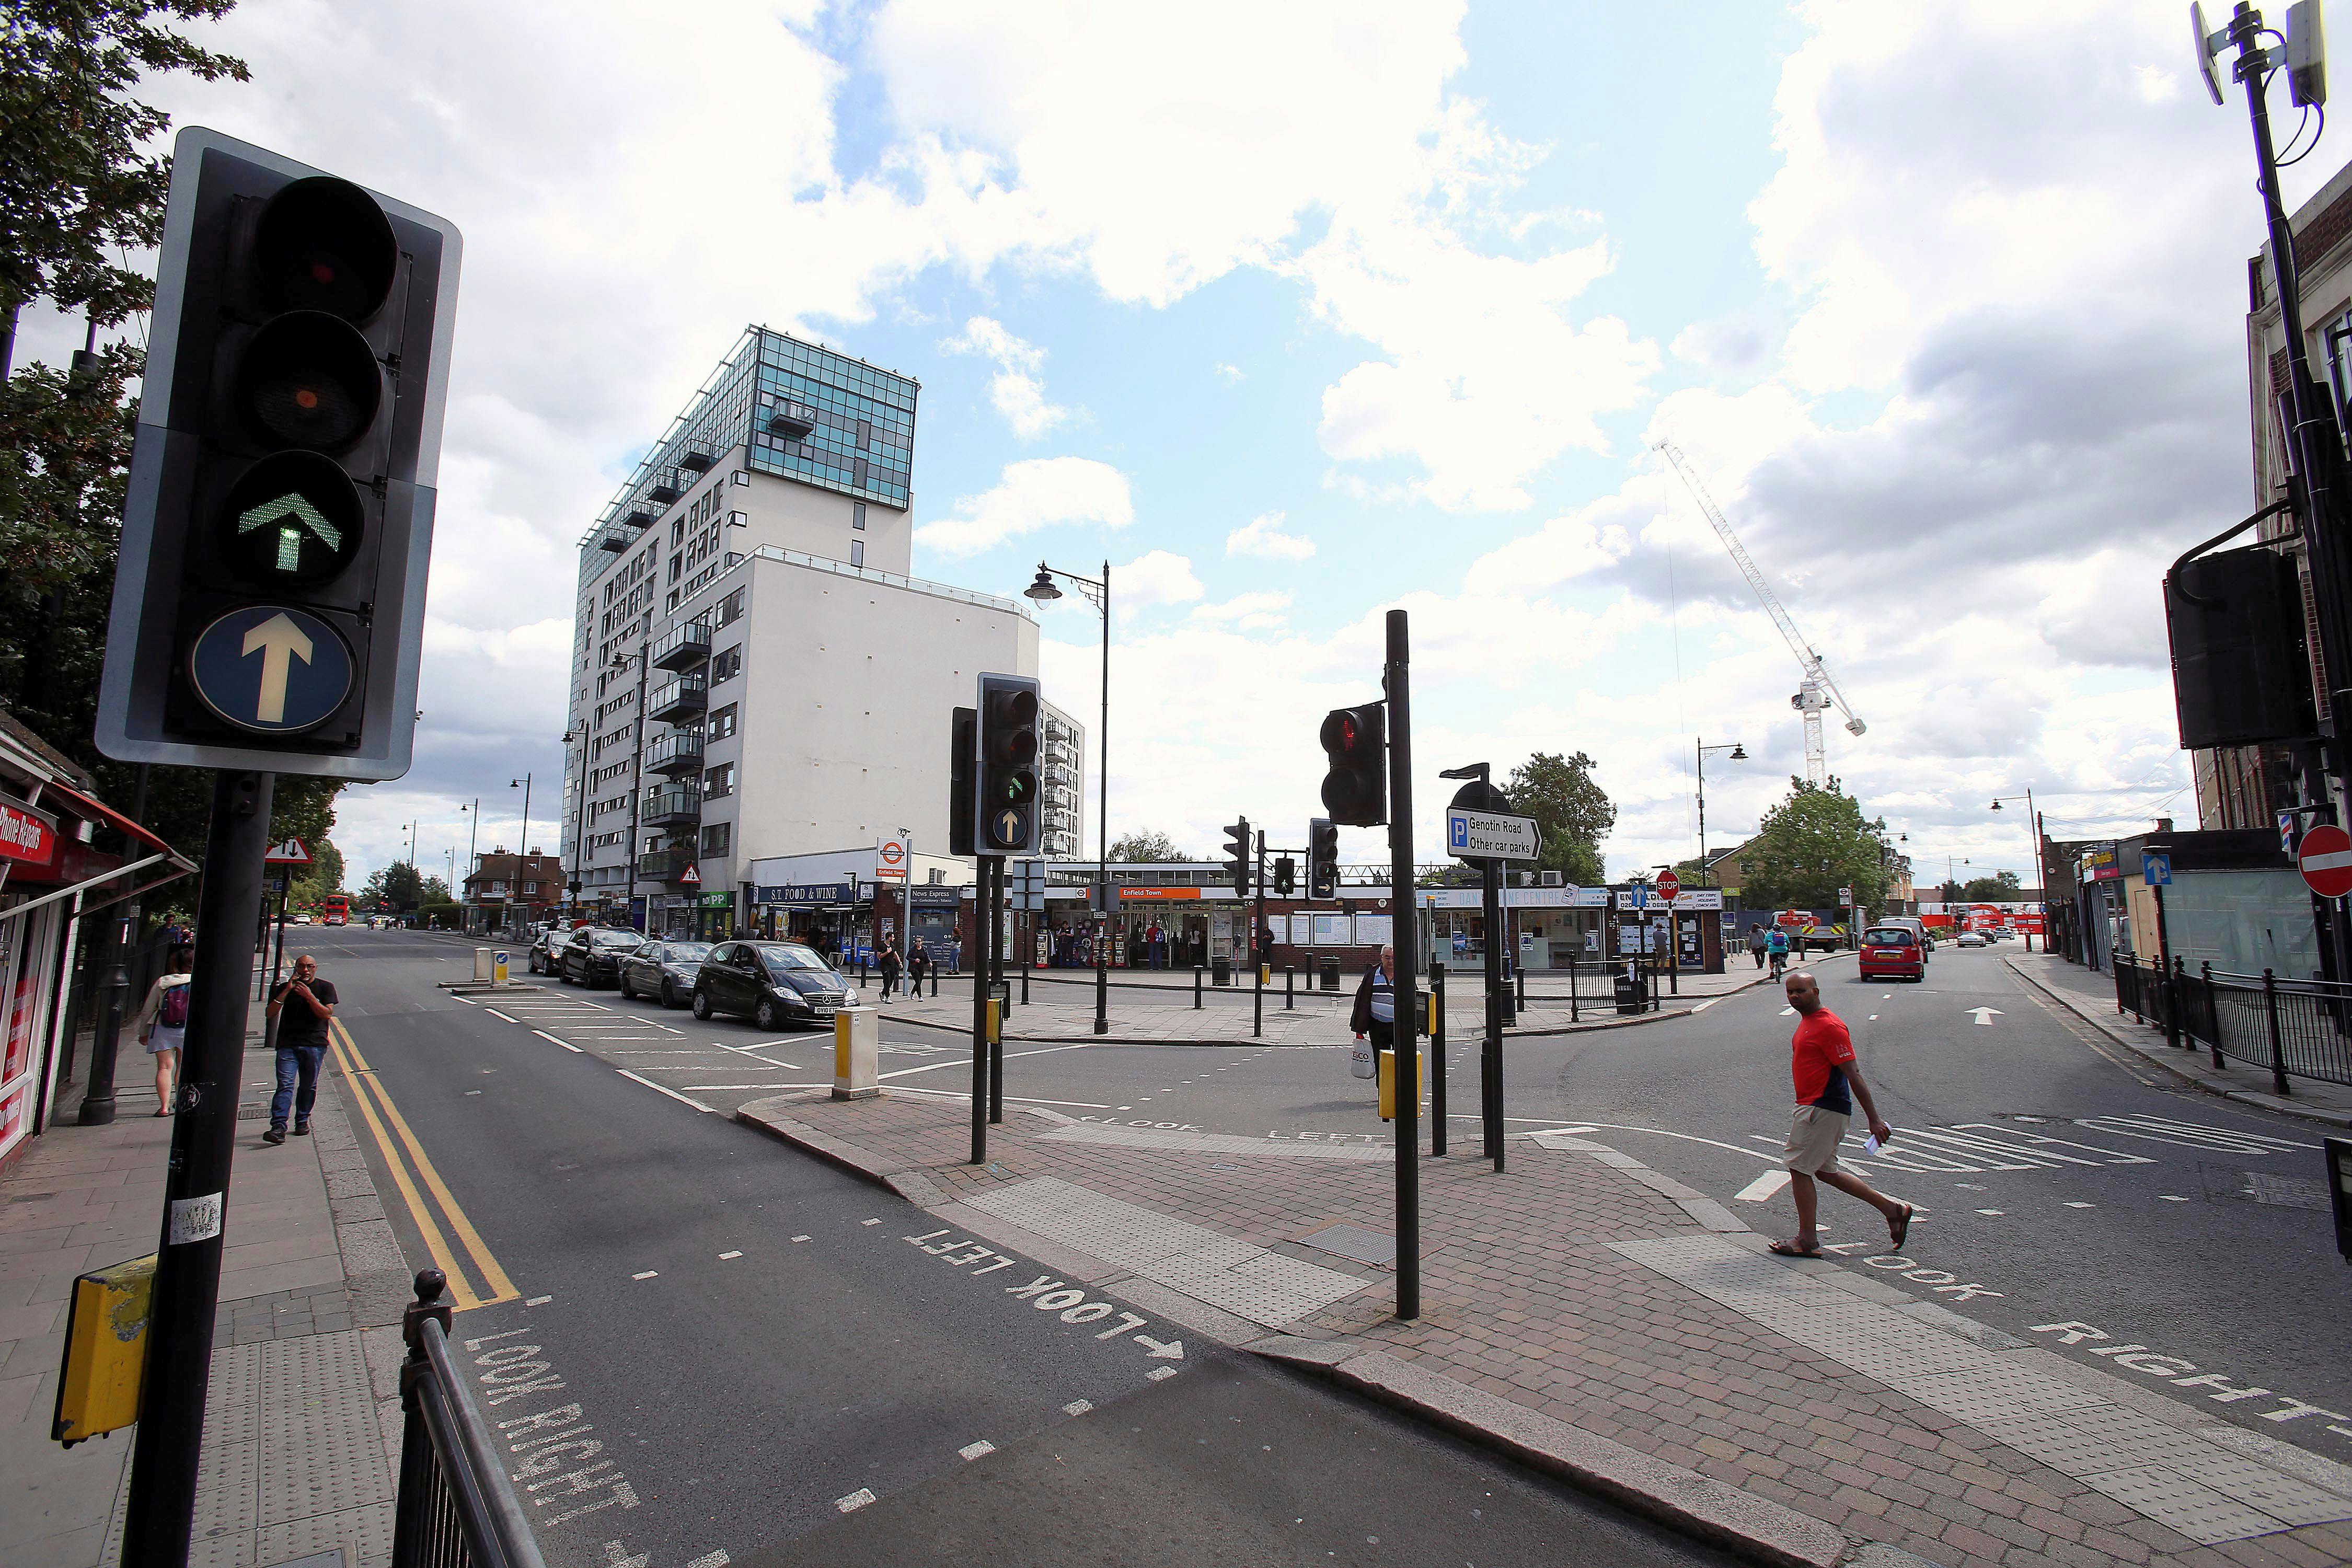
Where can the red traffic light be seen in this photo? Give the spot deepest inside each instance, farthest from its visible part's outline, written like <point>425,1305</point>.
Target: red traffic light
<point>1355,741</point>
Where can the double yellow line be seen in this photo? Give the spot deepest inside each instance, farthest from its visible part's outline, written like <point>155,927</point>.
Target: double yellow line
<point>402,1155</point>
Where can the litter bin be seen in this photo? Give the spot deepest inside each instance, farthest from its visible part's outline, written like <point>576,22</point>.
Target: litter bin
<point>1329,968</point>
<point>1629,993</point>
<point>1221,972</point>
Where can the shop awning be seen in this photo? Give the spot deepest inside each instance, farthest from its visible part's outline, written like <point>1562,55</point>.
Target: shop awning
<point>96,810</point>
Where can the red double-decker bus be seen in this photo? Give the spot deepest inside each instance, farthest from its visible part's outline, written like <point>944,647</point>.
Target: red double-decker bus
<point>335,909</point>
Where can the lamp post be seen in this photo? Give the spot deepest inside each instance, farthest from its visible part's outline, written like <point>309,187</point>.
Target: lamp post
<point>1097,593</point>
<point>522,848</point>
<point>1738,754</point>
<point>473,842</point>
<point>2041,883</point>
<point>636,783</point>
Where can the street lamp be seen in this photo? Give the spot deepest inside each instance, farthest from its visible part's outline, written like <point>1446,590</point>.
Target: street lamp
<point>2033,823</point>
<point>473,842</point>
<point>1738,754</point>
<point>1097,593</point>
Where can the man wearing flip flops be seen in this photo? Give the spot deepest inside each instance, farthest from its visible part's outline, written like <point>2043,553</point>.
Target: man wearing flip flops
<point>1821,1060</point>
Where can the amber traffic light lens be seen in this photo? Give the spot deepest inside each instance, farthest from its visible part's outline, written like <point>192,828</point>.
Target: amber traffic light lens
<point>323,244</point>
<point>309,378</point>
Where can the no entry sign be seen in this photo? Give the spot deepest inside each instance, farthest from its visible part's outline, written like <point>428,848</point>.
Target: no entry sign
<point>2326,861</point>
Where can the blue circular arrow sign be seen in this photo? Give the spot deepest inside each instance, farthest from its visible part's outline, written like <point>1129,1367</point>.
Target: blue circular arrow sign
<point>271,670</point>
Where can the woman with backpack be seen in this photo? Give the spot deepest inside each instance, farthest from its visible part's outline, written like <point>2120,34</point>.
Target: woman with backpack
<point>164,1023</point>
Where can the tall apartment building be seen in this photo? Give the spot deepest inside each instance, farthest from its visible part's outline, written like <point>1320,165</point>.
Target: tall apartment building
<point>753,672</point>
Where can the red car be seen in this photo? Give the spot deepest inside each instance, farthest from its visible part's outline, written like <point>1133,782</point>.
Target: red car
<point>1892,952</point>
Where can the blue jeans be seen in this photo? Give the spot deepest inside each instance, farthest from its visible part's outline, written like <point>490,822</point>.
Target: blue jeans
<point>296,1064</point>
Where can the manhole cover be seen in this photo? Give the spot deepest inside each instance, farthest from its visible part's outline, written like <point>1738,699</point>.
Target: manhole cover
<point>1355,1241</point>
<point>2287,1192</point>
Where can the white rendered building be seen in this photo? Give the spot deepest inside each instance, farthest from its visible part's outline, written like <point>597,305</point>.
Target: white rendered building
<point>753,673</point>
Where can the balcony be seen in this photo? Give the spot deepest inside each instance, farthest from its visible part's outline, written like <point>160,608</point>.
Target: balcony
<point>679,699</point>
<point>666,489</point>
<point>665,865</point>
<point>614,539</point>
<point>684,648</point>
<point>695,457</point>
<point>642,516</point>
<point>678,753</point>
<point>792,420</point>
<point>672,808</point>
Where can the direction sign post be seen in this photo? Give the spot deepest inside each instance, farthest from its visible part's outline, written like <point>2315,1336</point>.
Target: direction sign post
<point>1484,835</point>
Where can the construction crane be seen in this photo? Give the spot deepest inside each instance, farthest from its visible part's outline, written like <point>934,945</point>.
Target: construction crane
<point>1817,692</point>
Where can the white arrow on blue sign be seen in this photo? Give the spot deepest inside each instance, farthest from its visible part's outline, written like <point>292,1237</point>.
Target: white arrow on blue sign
<point>2156,870</point>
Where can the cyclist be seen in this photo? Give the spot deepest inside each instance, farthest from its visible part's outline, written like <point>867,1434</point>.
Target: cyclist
<point>1776,946</point>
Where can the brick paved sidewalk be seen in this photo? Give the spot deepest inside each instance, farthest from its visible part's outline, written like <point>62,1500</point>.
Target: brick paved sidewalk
<point>1601,1321</point>
<point>1062,1012</point>
<point>303,1418</point>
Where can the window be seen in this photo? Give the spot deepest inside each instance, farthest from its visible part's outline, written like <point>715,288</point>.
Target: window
<point>731,609</point>
<point>718,783</point>
<point>715,838</point>
<point>857,553</point>
<point>857,514</point>
<point>722,722</point>
<point>728,665</point>
<point>672,606</point>
<point>739,476</point>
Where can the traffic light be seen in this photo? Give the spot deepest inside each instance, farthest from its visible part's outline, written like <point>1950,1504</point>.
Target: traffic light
<point>270,599</point>
<point>1356,789</point>
<point>1285,876</point>
<point>1322,858</point>
<point>1237,856</point>
<point>964,756</point>
<point>1006,822</point>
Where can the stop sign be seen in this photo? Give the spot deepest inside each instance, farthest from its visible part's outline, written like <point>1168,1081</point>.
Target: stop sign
<point>1668,885</point>
<point>2326,861</point>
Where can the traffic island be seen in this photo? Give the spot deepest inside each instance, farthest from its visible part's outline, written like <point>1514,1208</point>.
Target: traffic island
<point>1602,1322</point>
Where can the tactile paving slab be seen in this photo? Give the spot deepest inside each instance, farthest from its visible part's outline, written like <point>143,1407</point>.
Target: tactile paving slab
<point>1212,1143</point>
<point>2207,1492</point>
<point>1244,1279</point>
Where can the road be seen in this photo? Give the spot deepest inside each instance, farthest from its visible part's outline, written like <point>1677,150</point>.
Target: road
<point>705,1349</point>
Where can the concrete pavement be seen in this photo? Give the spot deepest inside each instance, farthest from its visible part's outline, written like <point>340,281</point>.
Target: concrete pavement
<point>302,1422</point>
<point>1602,1320</point>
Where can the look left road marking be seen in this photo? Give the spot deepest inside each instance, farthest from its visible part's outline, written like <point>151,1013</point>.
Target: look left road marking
<point>498,1287</point>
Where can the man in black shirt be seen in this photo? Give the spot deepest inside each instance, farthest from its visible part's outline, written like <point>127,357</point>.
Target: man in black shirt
<point>300,1008</point>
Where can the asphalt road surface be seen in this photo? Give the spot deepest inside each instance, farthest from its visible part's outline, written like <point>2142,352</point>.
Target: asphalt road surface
<point>703,1348</point>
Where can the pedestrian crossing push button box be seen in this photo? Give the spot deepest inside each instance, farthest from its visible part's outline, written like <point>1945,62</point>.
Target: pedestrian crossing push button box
<point>1388,1083</point>
<point>106,1351</point>
<point>2339,1190</point>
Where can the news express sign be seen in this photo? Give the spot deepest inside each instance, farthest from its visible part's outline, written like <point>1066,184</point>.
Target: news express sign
<point>1491,834</point>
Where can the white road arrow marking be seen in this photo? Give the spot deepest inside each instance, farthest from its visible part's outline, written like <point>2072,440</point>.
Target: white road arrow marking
<point>1985,1015</point>
<point>1169,1350</point>
<point>280,642</point>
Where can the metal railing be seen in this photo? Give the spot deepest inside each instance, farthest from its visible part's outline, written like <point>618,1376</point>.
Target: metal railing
<point>456,1506</point>
<point>2292,1029</point>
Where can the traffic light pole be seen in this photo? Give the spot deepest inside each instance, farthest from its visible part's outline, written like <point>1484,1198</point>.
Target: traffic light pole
<point>161,1520</point>
<point>1490,1062</point>
<point>980,931</point>
<point>997,987</point>
<point>1397,682</point>
<point>1257,954</point>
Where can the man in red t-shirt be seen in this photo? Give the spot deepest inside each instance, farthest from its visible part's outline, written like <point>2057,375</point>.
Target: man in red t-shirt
<point>1821,1062</point>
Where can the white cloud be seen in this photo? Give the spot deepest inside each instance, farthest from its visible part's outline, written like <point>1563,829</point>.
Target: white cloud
<point>1018,388</point>
<point>1034,493</point>
<point>1231,375</point>
<point>1258,610</point>
<point>1159,577</point>
<point>1262,536</point>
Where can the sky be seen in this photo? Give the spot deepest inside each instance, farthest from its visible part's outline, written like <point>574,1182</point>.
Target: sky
<point>1297,314</point>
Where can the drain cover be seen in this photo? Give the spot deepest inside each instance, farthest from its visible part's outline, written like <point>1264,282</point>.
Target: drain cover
<point>1354,1241</point>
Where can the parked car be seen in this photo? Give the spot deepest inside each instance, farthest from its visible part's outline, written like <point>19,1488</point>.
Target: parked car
<point>1972,938</point>
<point>593,955</point>
<point>771,983</point>
<point>1893,952</point>
<point>546,951</point>
<point>665,969</point>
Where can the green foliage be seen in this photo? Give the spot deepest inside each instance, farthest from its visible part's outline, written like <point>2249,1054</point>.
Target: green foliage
<point>395,886</point>
<point>2001,888</point>
<point>1810,846</point>
<point>77,191</point>
<point>1571,809</point>
<point>441,915</point>
<point>1145,846</point>
<point>325,875</point>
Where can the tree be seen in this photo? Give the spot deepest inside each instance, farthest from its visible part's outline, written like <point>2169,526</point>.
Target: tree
<point>325,875</point>
<point>1571,808</point>
<point>77,191</point>
<point>1810,846</point>
<point>1145,846</point>
<point>2001,888</point>
<point>396,887</point>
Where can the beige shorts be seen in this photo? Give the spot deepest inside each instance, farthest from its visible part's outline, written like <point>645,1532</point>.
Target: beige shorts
<point>1814,1137</point>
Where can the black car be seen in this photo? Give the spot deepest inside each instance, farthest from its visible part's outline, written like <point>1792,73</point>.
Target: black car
<point>546,956</point>
<point>592,957</point>
<point>771,983</point>
<point>664,969</point>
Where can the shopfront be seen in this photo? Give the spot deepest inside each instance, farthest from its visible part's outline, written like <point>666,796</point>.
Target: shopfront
<point>1544,928</point>
<point>822,914</point>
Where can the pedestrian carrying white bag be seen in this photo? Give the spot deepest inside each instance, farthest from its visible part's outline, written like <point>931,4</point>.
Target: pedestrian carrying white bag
<point>1360,1059</point>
